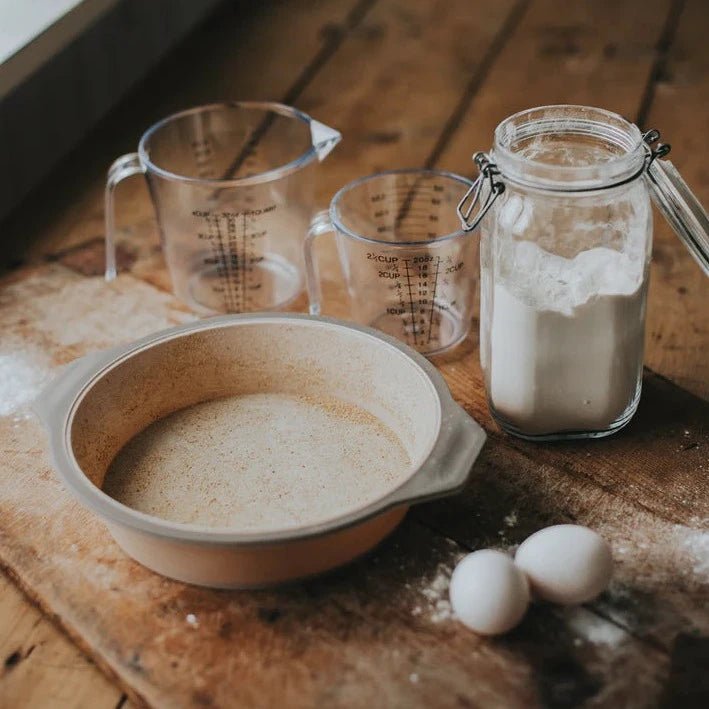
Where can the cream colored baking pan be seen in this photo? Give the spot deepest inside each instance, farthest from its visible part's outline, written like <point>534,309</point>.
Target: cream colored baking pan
<point>246,451</point>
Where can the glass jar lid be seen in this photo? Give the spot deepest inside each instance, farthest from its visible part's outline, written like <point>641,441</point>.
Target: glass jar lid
<point>669,191</point>
<point>681,208</point>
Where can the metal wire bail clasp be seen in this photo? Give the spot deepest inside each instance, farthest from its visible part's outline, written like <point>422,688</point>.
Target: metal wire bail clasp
<point>656,151</point>
<point>488,171</point>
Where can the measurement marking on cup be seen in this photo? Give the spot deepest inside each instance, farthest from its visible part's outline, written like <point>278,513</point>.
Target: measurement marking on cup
<point>203,154</point>
<point>229,263</point>
<point>243,265</point>
<point>403,189</point>
<point>433,298</point>
<point>226,261</point>
<point>221,265</point>
<point>232,252</point>
<point>411,303</point>
<point>240,261</point>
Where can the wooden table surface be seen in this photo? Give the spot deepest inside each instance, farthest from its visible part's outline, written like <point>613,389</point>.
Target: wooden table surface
<point>408,83</point>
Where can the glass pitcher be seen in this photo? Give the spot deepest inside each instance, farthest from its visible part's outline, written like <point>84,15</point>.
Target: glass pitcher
<point>566,235</point>
<point>232,186</point>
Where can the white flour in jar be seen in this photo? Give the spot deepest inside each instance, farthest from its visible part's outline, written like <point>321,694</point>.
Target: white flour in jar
<point>566,338</point>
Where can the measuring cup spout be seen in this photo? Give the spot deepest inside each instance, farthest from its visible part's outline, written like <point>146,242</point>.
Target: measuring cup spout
<point>324,138</point>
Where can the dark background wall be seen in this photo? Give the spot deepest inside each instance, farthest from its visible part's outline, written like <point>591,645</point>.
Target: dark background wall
<point>46,115</point>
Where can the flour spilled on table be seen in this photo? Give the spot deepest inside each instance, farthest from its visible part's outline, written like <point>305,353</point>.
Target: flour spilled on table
<point>23,375</point>
<point>695,543</point>
<point>431,600</point>
<point>592,628</point>
<point>511,520</point>
<point>436,593</point>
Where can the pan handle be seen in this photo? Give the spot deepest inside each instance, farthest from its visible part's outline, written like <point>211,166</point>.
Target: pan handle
<point>55,399</point>
<point>448,466</point>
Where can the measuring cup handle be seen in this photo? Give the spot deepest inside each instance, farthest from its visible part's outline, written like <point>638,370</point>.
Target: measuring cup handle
<point>125,166</point>
<point>320,224</point>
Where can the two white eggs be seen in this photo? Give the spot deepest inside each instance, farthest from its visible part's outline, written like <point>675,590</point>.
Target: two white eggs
<point>566,564</point>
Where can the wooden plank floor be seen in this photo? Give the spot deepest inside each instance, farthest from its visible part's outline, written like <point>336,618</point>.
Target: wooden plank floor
<point>408,83</point>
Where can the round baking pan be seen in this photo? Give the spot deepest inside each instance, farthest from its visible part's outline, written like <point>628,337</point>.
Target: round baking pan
<point>102,401</point>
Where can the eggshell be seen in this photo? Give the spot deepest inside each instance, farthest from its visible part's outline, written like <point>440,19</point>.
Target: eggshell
<point>566,563</point>
<point>488,593</point>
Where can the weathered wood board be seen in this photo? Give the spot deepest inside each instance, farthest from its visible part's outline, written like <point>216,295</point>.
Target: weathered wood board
<point>380,627</point>
<point>39,666</point>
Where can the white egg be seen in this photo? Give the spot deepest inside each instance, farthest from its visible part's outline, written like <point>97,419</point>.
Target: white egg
<point>488,592</point>
<point>566,564</point>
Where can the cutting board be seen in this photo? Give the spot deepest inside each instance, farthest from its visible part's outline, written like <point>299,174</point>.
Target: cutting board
<point>378,632</point>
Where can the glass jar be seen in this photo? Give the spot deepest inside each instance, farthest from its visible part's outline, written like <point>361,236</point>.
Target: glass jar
<point>566,237</point>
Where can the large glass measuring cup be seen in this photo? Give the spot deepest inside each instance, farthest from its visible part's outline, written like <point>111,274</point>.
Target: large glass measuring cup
<point>409,268</point>
<point>232,188</point>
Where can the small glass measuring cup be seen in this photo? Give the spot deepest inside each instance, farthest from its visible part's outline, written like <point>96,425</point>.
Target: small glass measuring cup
<point>409,267</point>
<point>232,187</point>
